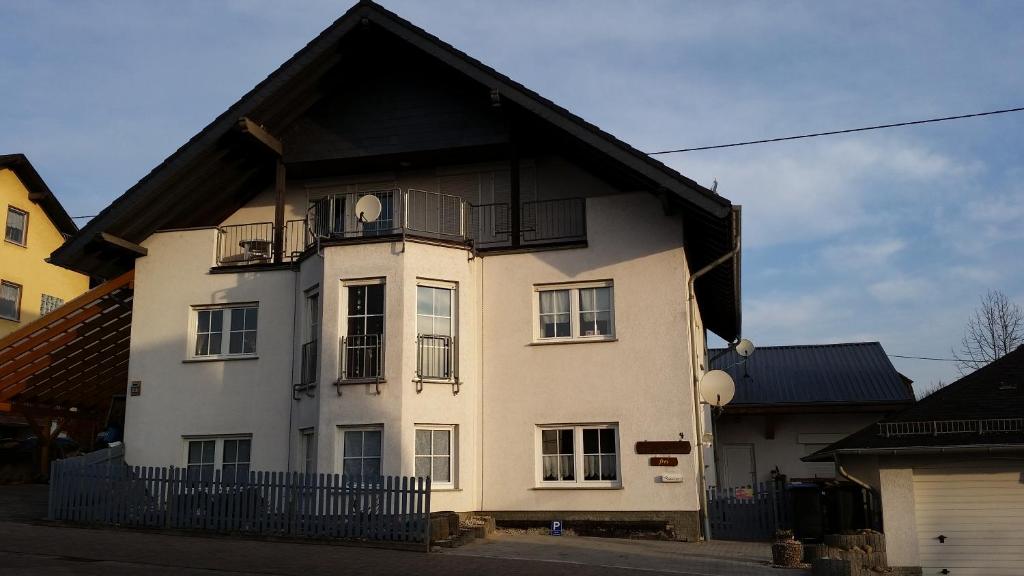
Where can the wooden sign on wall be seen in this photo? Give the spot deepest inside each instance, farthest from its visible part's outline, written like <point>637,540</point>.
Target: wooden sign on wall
<point>664,461</point>
<point>664,447</point>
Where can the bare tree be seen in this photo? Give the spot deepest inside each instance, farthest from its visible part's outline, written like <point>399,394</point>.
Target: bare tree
<point>997,327</point>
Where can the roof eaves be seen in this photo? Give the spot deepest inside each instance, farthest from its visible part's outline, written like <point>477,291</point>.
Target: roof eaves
<point>31,179</point>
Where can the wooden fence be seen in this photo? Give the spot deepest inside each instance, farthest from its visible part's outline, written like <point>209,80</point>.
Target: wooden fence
<point>388,509</point>
<point>748,512</point>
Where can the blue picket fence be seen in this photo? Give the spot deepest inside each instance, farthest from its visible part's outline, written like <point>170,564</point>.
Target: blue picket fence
<point>748,512</point>
<point>387,509</point>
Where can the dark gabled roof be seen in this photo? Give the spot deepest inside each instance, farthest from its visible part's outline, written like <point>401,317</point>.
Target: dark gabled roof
<point>993,392</point>
<point>143,209</point>
<point>839,374</point>
<point>39,192</point>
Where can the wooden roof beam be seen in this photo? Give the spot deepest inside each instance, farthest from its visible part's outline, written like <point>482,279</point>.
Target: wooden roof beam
<point>261,135</point>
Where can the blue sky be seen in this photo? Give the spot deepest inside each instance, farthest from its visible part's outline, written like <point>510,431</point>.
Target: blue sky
<point>890,235</point>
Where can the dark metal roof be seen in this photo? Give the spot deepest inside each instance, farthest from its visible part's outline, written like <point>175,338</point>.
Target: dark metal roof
<point>31,179</point>
<point>995,391</point>
<point>855,373</point>
<point>149,204</point>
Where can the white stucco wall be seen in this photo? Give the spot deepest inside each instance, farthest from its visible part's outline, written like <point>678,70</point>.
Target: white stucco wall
<point>638,381</point>
<point>183,398</point>
<point>792,433</point>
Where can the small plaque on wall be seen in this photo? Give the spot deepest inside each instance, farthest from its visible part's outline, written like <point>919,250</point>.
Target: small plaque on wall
<point>135,388</point>
<point>664,461</point>
<point>664,447</point>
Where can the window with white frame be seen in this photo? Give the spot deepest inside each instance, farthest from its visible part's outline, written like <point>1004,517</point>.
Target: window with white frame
<point>361,450</point>
<point>49,303</point>
<point>579,455</point>
<point>308,451</point>
<point>575,312</point>
<point>230,455</point>
<point>435,454</point>
<point>16,230</point>
<point>222,331</point>
<point>435,356</point>
<point>364,339</point>
<point>10,301</point>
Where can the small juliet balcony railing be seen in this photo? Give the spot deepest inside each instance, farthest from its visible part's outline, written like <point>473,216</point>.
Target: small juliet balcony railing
<point>362,359</point>
<point>436,361</point>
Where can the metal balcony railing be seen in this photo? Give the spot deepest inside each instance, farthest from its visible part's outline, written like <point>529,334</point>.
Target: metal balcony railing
<point>434,357</point>
<point>937,427</point>
<point>540,222</point>
<point>310,362</point>
<point>254,243</point>
<point>362,357</point>
<point>245,244</point>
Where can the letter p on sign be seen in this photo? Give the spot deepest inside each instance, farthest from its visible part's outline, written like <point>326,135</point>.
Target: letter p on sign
<point>556,527</point>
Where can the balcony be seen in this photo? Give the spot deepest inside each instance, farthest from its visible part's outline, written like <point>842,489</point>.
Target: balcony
<point>245,244</point>
<point>411,212</point>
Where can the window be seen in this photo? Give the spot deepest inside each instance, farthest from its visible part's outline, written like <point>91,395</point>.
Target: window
<point>10,301</point>
<point>434,310</point>
<point>578,312</point>
<point>49,303</point>
<point>236,324</point>
<point>311,344</point>
<point>434,327</point>
<point>17,226</point>
<point>579,455</point>
<point>364,343</point>
<point>434,451</point>
<point>308,451</point>
<point>232,456</point>
<point>361,453</point>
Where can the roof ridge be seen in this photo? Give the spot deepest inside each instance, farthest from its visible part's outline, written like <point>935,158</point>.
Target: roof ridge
<point>832,344</point>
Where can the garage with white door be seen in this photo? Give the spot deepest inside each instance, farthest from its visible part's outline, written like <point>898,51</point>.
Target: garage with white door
<point>970,519</point>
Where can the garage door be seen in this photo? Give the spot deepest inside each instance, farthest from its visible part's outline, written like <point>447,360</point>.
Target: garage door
<point>980,513</point>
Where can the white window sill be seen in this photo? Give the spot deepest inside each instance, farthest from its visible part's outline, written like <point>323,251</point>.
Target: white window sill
<point>572,341</point>
<point>580,487</point>
<point>220,359</point>
<point>445,489</point>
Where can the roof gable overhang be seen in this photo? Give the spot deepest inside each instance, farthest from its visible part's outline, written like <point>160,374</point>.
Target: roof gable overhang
<point>217,154</point>
<point>39,192</point>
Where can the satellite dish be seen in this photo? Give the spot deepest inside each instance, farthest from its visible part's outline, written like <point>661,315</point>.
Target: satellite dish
<point>745,348</point>
<point>368,208</point>
<point>717,388</point>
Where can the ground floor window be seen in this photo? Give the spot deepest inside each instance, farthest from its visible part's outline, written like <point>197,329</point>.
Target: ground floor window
<point>435,454</point>
<point>231,455</point>
<point>575,455</point>
<point>361,452</point>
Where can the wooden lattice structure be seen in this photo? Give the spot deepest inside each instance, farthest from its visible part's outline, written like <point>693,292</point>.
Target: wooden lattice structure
<point>61,371</point>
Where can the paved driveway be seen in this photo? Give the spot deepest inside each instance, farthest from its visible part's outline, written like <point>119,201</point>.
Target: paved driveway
<point>29,547</point>
<point>683,558</point>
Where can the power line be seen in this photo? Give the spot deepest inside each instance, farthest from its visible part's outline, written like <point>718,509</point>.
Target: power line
<point>83,217</point>
<point>922,358</point>
<point>834,132</point>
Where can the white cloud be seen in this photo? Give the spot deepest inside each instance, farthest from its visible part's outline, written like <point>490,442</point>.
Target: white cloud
<point>862,255</point>
<point>901,289</point>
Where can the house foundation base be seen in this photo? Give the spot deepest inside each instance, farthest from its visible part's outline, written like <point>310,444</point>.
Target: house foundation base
<point>681,525</point>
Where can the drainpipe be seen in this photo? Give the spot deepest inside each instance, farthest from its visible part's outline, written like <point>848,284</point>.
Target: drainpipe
<point>695,377</point>
<point>871,520</point>
<point>842,472</point>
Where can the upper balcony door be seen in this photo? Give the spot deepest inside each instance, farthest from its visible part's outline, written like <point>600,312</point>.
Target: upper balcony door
<point>435,332</point>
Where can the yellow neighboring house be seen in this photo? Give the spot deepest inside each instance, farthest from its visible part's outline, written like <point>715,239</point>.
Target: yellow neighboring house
<point>35,224</point>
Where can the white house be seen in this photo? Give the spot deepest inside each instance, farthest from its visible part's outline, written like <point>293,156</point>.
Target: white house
<point>522,319</point>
